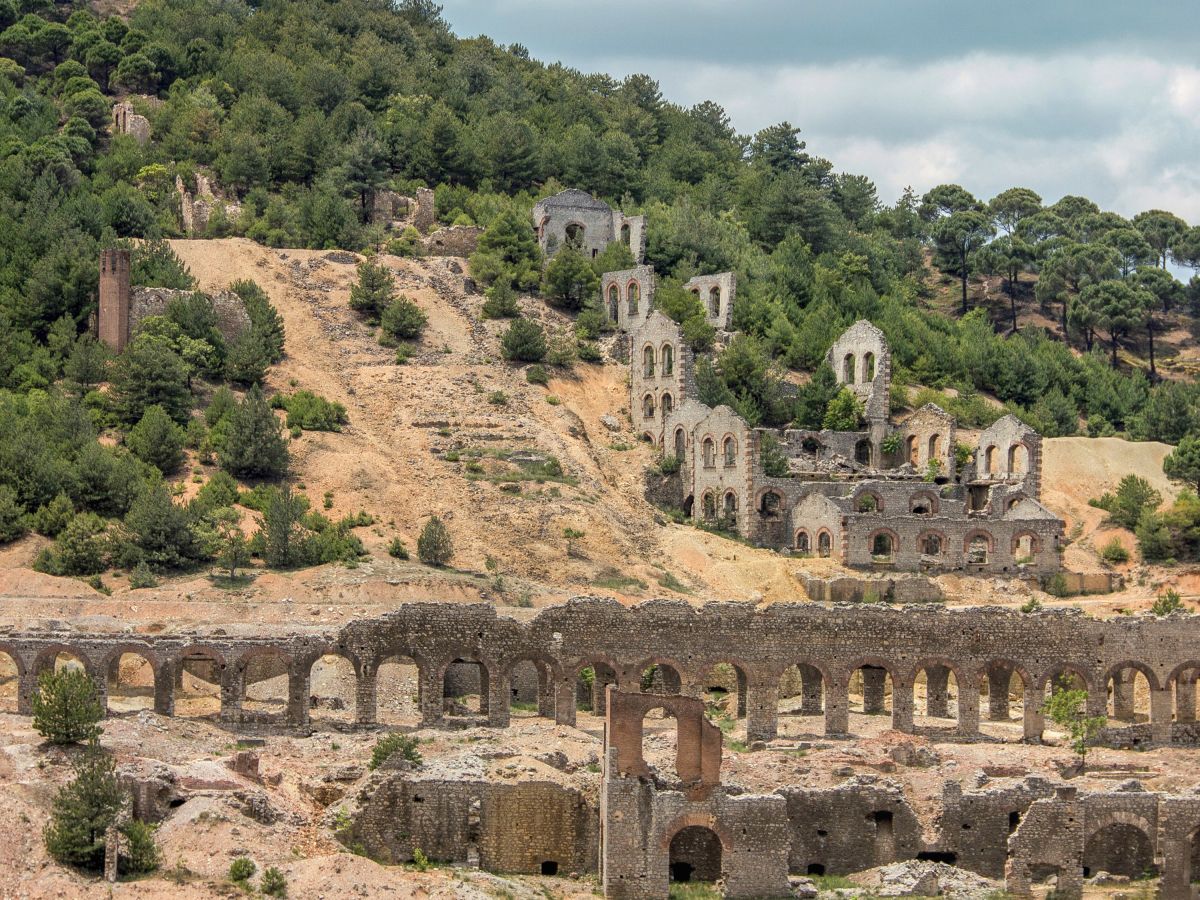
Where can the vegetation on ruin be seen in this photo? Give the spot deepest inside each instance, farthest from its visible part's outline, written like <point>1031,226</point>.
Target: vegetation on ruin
<point>1066,707</point>
<point>392,744</point>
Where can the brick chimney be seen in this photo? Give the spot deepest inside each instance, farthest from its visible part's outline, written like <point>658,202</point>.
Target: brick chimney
<point>113,319</point>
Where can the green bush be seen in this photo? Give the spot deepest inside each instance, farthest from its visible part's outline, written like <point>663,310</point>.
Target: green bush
<point>1114,552</point>
<point>434,547</point>
<point>403,320</point>
<point>157,440</point>
<point>537,374</point>
<point>142,577</point>
<point>397,549</point>
<point>391,744</point>
<point>374,290</point>
<point>310,411</point>
<point>66,707</point>
<point>139,853</point>
<point>501,302</point>
<point>54,517</point>
<point>524,341</point>
<point>81,548</point>
<point>12,515</point>
<point>1133,496</point>
<point>1167,603</point>
<point>83,809</point>
<point>242,869</point>
<point>273,883</point>
<point>254,447</point>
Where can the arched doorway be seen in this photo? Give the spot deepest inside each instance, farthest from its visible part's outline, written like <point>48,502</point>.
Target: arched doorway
<point>695,855</point>
<point>589,687</point>
<point>198,678</point>
<point>935,696</point>
<point>661,678</point>
<point>465,688</point>
<point>801,700</point>
<point>398,691</point>
<point>265,684</point>
<point>1119,849</point>
<point>130,683</point>
<point>871,691</point>
<point>725,695</point>
<point>332,690</point>
<point>1128,695</point>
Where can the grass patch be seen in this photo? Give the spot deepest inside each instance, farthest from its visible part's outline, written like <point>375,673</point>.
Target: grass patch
<point>832,882</point>
<point>671,583</point>
<point>693,890</point>
<point>616,581</point>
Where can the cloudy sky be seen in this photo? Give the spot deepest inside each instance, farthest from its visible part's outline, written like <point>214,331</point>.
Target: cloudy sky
<point>1092,97</point>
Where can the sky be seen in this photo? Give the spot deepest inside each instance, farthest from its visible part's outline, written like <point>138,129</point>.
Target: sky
<point>1092,97</point>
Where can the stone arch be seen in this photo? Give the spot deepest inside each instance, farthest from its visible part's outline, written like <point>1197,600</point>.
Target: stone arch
<point>931,542</point>
<point>1025,545</point>
<point>924,503</point>
<point>625,235</point>
<point>770,504</point>
<point>1119,843</point>
<point>934,449</point>
<point>574,235</point>
<point>541,692</point>
<point>864,452</point>
<point>708,506</point>
<point>848,368</point>
<point>667,358</point>
<point>724,684</point>
<point>333,688</point>
<point>467,676</point>
<point>714,301</point>
<point>648,406</point>
<point>1182,683</point>
<point>989,459</point>
<point>883,544</point>
<point>878,683</point>
<point>668,404</point>
<point>709,452</point>
<point>1121,693</point>
<point>660,675</point>
<point>868,367</point>
<point>998,676</point>
<point>978,547</point>
<point>199,673</point>
<point>1018,459</point>
<point>803,542</point>
<point>729,450</point>
<point>695,854</point>
<point>804,679</point>
<point>648,361</point>
<point>589,689</point>
<point>12,672</point>
<point>824,543</point>
<point>132,683</point>
<point>614,301</point>
<point>264,683</point>
<point>399,689</point>
<point>868,501</point>
<point>633,298</point>
<point>944,688</point>
<point>680,442</point>
<point>56,657</point>
<point>729,504</point>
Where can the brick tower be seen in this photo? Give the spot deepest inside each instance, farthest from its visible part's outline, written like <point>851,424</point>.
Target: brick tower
<point>113,319</point>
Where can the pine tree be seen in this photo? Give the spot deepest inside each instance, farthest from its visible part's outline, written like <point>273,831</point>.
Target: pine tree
<point>83,810</point>
<point>282,538</point>
<point>254,445</point>
<point>524,341</point>
<point>434,547</point>
<point>374,292</point>
<point>403,319</point>
<point>1183,463</point>
<point>569,281</point>
<point>157,440</point>
<point>67,707</point>
<point>161,529</point>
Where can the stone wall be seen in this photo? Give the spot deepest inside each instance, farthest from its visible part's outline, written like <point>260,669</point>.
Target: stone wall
<point>232,319</point>
<point>126,121</point>
<point>628,296</point>
<point>716,294</point>
<point>862,360</point>
<point>576,217</point>
<point>660,375</point>
<point>456,240</point>
<point>197,209</point>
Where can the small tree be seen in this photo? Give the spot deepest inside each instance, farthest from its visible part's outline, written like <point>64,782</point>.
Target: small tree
<point>391,744</point>
<point>67,707</point>
<point>254,445</point>
<point>283,543</point>
<point>235,550</point>
<point>1183,463</point>
<point>87,364</point>
<point>12,515</point>
<point>1066,708</point>
<point>273,883</point>
<point>1167,603</point>
<point>374,291</point>
<point>501,302</point>
<point>157,440</point>
<point>83,810</point>
<point>1133,496</point>
<point>569,281</point>
<point>524,341</point>
<point>433,546</point>
<point>242,869</point>
<point>844,412</point>
<point>139,853</point>
<point>403,320</point>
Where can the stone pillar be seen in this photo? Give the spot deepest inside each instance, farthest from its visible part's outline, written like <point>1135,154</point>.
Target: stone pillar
<point>1035,721</point>
<point>565,702</point>
<point>1097,701</point>
<point>968,710</point>
<point>937,680</point>
<point>112,848</point>
<point>999,683</point>
<point>1160,716</point>
<point>1123,707</point>
<point>810,691</point>
<point>299,698</point>
<point>164,689</point>
<point>497,698</point>
<point>547,703</point>
<point>1185,698</point>
<point>762,708</point>
<point>231,695</point>
<point>366,699</point>
<point>431,696</point>
<point>837,707</point>
<point>874,679</point>
<point>902,707</point>
<point>26,687</point>
<point>485,691</point>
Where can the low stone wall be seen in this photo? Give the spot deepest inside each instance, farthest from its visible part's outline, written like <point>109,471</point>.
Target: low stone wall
<point>456,240</point>
<point>153,301</point>
<point>849,589</point>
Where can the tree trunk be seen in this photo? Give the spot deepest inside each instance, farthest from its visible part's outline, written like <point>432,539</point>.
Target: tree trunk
<point>963,271</point>
<point>1112,339</point>
<point>1012,303</point>
<point>1066,335</point>
<point>1150,335</point>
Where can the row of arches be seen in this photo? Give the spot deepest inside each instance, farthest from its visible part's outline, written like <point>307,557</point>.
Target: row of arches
<point>1017,458</point>
<point>633,298</point>
<point>920,503</point>
<point>667,404</point>
<point>710,300</point>
<point>664,355</point>
<point>708,452</point>
<point>977,547</point>
<point>855,372</point>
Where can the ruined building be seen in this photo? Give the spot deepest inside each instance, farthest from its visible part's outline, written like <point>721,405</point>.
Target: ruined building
<point>575,218</point>
<point>126,121</point>
<point>122,306</point>
<point>889,496</point>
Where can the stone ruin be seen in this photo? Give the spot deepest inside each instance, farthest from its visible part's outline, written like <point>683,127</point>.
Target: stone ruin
<point>122,307</point>
<point>888,497</point>
<point>126,121</point>
<point>197,209</point>
<point>575,218</point>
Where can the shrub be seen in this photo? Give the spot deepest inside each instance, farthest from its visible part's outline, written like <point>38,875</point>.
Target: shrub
<point>12,515</point>
<point>391,744</point>
<point>67,707</point>
<point>83,809</point>
<point>139,853</point>
<point>142,577</point>
<point>1114,552</point>
<point>255,447</point>
<point>537,374</point>
<point>79,550</point>
<point>157,440</point>
<point>434,547</point>
<point>403,319</point>
<point>1057,585</point>
<point>524,341</point>
<point>242,869</point>
<point>589,352</point>
<point>1033,604</point>
<point>501,302</point>
<point>310,411</point>
<point>397,549</point>
<point>569,281</point>
<point>1133,496</point>
<point>669,465</point>
<point>273,883</point>
<point>498,398</point>
<point>374,291</point>
<point>52,518</point>
<point>1167,603</point>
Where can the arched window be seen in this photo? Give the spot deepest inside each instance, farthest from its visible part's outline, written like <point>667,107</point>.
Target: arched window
<point>868,372</point>
<point>680,443</point>
<point>923,504</point>
<point>709,505</point>
<point>668,359</point>
<point>635,295</point>
<point>769,505</point>
<point>614,300</point>
<point>625,234</point>
<point>668,404</point>
<point>989,460</point>
<point>714,302</point>
<point>730,504</point>
<point>824,544</point>
<point>930,544</point>
<point>648,406</point>
<point>862,452</point>
<point>648,361</point>
<point>1018,459</point>
<point>979,548</point>
<point>803,545</point>
<point>868,502</point>
<point>730,449</point>
<point>935,446</point>
<point>710,453</point>
<point>848,369</point>
<point>882,547</point>
<point>911,449</point>
<point>575,235</point>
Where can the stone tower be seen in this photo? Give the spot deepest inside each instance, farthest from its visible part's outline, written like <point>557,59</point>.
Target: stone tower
<point>113,318</point>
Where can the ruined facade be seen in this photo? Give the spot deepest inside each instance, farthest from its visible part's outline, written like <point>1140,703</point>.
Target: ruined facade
<point>716,294</point>
<point>126,121</point>
<point>195,210</point>
<point>576,218</point>
<point>890,497</point>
